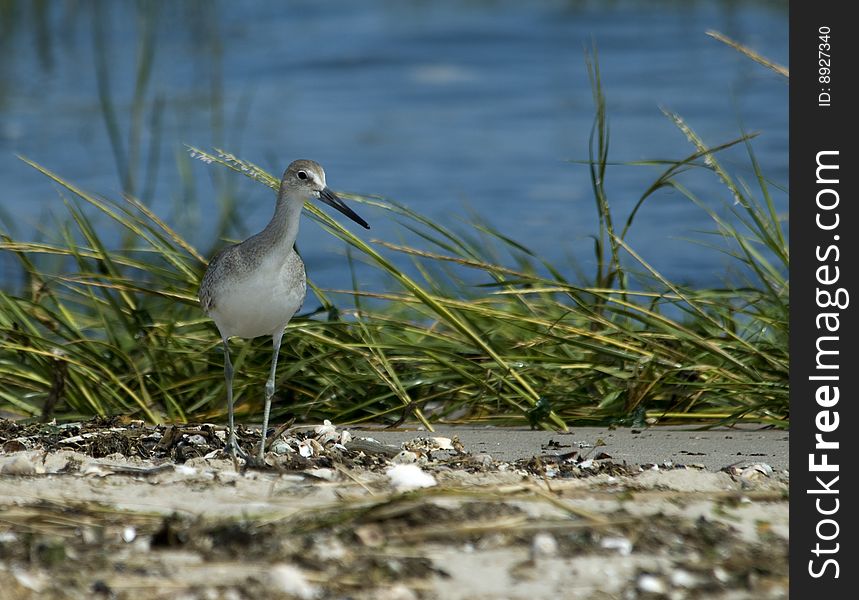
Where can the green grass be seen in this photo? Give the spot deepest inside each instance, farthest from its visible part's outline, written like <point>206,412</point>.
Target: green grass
<point>118,330</point>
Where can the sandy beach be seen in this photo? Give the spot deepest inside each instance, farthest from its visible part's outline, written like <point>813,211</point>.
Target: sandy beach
<point>471,513</point>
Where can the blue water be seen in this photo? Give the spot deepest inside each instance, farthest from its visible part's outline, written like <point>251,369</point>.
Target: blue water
<point>452,108</point>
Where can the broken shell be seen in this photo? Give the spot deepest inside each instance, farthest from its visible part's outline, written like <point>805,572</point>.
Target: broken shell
<point>621,544</point>
<point>14,446</point>
<point>305,449</point>
<point>324,473</point>
<point>757,471</point>
<point>443,443</point>
<point>282,447</point>
<point>326,433</point>
<point>328,437</point>
<point>410,477</point>
<point>543,545</point>
<point>326,427</point>
<point>404,458</point>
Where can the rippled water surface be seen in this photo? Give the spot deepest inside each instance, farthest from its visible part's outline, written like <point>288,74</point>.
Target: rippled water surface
<point>456,109</point>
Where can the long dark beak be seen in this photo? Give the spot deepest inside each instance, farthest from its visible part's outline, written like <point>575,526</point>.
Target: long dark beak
<point>331,199</point>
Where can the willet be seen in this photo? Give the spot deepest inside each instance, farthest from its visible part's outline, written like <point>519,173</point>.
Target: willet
<point>253,288</point>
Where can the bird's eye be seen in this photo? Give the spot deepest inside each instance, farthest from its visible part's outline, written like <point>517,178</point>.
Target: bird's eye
<point>302,175</point>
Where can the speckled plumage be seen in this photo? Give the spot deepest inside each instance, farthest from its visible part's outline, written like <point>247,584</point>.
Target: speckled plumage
<point>240,279</point>
<point>240,258</point>
<point>254,288</point>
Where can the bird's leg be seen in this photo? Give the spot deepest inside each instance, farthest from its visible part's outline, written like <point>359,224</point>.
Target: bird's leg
<point>269,388</point>
<point>228,376</point>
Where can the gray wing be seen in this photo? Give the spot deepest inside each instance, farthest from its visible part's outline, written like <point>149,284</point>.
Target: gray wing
<point>297,266</point>
<point>213,275</point>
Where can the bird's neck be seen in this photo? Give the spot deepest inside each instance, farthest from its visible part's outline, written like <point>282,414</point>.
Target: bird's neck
<point>282,230</point>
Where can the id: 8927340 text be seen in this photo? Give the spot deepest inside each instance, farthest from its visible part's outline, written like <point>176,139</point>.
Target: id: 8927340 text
<point>824,67</point>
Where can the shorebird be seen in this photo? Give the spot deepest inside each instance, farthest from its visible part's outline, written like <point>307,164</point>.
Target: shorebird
<point>254,288</point>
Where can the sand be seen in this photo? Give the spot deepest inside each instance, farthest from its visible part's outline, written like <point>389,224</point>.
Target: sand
<point>714,448</point>
<point>594,514</point>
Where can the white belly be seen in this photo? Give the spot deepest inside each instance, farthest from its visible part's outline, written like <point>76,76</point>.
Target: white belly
<point>261,303</point>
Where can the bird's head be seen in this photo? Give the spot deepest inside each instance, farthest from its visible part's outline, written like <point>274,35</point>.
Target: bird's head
<point>308,178</point>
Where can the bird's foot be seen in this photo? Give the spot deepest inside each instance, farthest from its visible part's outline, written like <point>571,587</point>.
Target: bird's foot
<point>235,452</point>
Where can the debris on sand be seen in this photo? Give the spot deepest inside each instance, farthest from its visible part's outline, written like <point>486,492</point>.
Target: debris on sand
<point>117,508</point>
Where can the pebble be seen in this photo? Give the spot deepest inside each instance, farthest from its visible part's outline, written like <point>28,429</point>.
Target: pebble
<point>683,579</point>
<point>544,545</point>
<point>651,584</point>
<point>129,534</point>
<point>287,579</point>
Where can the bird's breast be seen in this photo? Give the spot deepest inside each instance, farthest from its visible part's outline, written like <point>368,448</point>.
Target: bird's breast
<point>262,300</point>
